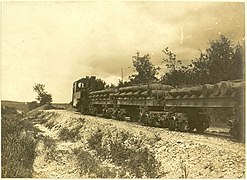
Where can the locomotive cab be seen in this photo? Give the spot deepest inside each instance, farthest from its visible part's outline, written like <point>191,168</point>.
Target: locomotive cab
<point>79,93</point>
<point>81,90</point>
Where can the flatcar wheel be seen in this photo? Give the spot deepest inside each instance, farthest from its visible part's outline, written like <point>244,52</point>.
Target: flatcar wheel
<point>171,125</point>
<point>202,127</point>
<point>150,122</point>
<point>182,127</point>
<point>163,124</point>
<point>144,120</point>
<point>191,128</point>
<point>239,128</point>
<point>123,117</point>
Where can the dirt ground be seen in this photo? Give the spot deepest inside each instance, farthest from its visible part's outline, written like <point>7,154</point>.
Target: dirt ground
<point>71,145</point>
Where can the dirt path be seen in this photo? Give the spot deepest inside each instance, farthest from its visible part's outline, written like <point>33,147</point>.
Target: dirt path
<point>63,133</point>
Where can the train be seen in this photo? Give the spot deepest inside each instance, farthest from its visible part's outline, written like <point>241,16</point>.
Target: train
<point>182,109</point>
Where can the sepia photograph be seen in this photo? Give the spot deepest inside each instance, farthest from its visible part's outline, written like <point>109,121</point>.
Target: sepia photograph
<point>123,89</point>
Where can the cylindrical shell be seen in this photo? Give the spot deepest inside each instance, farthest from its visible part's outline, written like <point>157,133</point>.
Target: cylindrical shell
<point>129,94</point>
<point>216,89</point>
<point>116,94</point>
<point>238,87</point>
<point>129,89</point>
<point>227,88</point>
<point>157,93</point>
<point>134,88</point>
<point>166,87</point>
<point>122,89</point>
<point>159,87</point>
<point>136,94</point>
<point>184,91</point>
<point>186,96</point>
<point>143,87</point>
<point>207,89</point>
<point>173,92</point>
<point>122,94</point>
<point>155,86</point>
<point>197,90</point>
<point>111,95</point>
<point>145,94</point>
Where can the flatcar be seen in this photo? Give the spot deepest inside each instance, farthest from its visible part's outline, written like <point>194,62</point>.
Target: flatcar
<point>156,104</point>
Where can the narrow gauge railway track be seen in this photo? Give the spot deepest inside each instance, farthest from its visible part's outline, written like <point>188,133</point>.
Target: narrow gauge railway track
<point>215,133</point>
<point>220,135</point>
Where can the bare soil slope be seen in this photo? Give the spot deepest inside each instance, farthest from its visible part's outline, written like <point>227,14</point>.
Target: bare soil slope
<point>71,145</point>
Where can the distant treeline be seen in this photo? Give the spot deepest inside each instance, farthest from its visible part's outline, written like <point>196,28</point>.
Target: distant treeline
<point>220,61</point>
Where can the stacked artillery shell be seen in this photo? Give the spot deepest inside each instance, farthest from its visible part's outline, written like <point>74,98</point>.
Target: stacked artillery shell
<point>207,89</point>
<point>196,91</point>
<point>129,89</point>
<point>102,94</point>
<point>216,89</point>
<point>186,92</point>
<point>143,88</point>
<point>143,91</point>
<point>122,94</point>
<point>228,88</point>
<point>129,94</point>
<point>145,94</point>
<point>157,91</point>
<point>126,92</point>
<point>223,88</point>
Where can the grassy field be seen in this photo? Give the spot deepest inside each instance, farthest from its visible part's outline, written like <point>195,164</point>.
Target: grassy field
<point>22,106</point>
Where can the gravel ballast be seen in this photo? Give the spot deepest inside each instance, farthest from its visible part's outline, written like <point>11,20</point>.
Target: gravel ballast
<point>72,145</point>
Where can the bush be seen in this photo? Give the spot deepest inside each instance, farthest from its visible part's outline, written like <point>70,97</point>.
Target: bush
<point>90,166</point>
<point>32,105</point>
<point>18,147</point>
<point>70,135</point>
<point>50,148</point>
<point>127,151</point>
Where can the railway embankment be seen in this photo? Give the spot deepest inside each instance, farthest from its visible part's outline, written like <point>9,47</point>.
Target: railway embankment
<point>71,145</point>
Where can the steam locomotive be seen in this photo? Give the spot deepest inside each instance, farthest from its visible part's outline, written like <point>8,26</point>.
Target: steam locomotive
<point>156,104</point>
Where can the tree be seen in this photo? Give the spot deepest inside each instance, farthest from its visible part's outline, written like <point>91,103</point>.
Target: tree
<point>110,86</point>
<point>176,74</point>
<point>171,61</point>
<point>146,71</point>
<point>43,97</point>
<point>123,84</point>
<point>221,61</point>
<point>99,84</point>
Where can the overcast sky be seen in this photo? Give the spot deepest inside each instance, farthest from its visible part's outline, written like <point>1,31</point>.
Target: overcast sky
<point>56,43</point>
